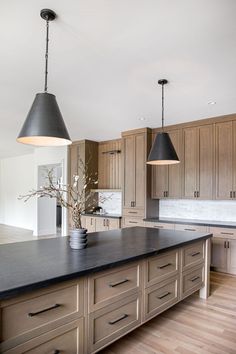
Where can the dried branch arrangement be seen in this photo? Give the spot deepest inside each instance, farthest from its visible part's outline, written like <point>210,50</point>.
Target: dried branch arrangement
<point>72,196</point>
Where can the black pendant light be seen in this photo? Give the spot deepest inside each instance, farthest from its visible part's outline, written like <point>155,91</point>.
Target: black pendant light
<point>162,151</point>
<point>44,125</point>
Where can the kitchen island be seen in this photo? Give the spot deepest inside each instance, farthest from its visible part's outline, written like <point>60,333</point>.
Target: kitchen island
<point>59,300</point>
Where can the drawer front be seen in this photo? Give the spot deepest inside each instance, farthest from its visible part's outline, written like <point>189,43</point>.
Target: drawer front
<point>192,281</point>
<point>198,228</point>
<point>160,225</point>
<point>65,339</point>
<point>193,254</point>
<point>223,232</point>
<point>132,221</point>
<point>36,312</point>
<point>160,297</point>
<point>161,267</point>
<point>111,322</point>
<point>133,212</point>
<point>110,286</point>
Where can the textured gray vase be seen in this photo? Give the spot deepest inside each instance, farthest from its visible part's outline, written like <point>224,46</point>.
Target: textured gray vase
<point>78,238</point>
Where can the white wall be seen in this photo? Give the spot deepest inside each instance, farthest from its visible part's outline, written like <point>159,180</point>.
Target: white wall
<point>222,210</point>
<point>113,203</point>
<point>17,177</point>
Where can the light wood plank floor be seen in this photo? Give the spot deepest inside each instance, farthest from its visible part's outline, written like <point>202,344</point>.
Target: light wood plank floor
<point>194,326</point>
<point>10,234</point>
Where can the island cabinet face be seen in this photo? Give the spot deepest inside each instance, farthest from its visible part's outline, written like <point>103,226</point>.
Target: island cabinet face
<point>87,314</point>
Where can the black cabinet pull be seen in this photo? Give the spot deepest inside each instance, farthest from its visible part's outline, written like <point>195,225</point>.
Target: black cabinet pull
<point>132,212</point>
<point>164,265</point>
<point>231,194</point>
<point>167,194</point>
<point>228,244</point>
<point>189,229</point>
<point>195,278</point>
<point>195,254</point>
<point>224,244</point>
<point>164,295</point>
<point>32,314</point>
<point>194,194</point>
<point>118,319</point>
<point>158,227</point>
<point>133,222</point>
<point>198,194</point>
<point>227,233</point>
<point>112,285</point>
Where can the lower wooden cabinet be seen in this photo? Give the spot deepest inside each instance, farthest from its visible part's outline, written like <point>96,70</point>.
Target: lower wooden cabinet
<point>97,224</point>
<point>192,281</point>
<point>129,221</point>
<point>160,225</point>
<point>187,227</point>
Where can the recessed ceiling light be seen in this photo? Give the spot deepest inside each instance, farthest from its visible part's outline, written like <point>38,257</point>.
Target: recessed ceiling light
<point>212,102</point>
<point>142,119</point>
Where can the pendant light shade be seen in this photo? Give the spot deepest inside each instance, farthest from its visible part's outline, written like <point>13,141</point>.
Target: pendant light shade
<point>162,151</point>
<point>44,125</point>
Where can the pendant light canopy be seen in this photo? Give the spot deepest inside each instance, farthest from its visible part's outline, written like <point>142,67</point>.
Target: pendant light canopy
<point>162,151</point>
<point>44,125</point>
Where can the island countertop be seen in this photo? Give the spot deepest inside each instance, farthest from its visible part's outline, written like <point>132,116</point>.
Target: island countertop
<point>27,266</point>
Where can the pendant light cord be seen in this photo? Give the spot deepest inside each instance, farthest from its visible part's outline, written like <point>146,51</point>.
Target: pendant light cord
<point>46,57</point>
<point>162,111</point>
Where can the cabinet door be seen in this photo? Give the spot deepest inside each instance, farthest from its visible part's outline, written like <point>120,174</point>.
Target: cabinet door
<point>219,254</point>
<point>113,224</point>
<point>159,181</point>
<point>174,171</point>
<point>206,162</point>
<point>129,171</point>
<point>190,139</point>
<point>224,160</point>
<point>231,256</point>
<point>90,224</point>
<point>101,224</point>
<point>140,170</point>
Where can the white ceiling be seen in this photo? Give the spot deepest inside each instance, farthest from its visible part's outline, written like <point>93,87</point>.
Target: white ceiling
<point>106,57</point>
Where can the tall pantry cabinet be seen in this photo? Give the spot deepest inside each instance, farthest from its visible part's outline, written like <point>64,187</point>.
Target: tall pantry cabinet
<point>137,202</point>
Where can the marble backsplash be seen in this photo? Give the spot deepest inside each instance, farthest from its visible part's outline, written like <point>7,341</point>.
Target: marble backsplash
<point>113,204</point>
<point>198,209</point>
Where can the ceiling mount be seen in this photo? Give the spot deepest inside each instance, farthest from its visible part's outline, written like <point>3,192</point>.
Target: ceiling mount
<point>48,15</point>
<point>162,82</point>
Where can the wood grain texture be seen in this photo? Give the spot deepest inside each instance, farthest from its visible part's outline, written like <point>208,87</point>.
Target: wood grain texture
<point>194,326</point>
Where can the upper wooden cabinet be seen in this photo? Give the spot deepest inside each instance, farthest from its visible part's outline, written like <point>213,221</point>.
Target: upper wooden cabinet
<point>198,146</point>
<point>166,180</point>
<point>226,160</point>
<point>136,173</point>
<point>109,164</point>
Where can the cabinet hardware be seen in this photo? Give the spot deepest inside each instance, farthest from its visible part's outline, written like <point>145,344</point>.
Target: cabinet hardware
<point>164,295</point>
<point>133,222</point>
<point>195,278</point>
<point>227,233</point>
<point>132,212</point>
<point>104,222</point>
<point>131,204</point>
<point>164,193</point>
<point>118,319</point>
<point>189,229</point>
<point>228,244</point>
<point>195,195</point>
<point>224,244</point>
<point>234,194</point>
<point>158,227</point>
<point>195,254</point>
<point>198,194</point>
<point>134,204</point>
<point>167,193</point>
<point>32,314</point>
<point>111,152</point>
<point>107,223</point>
<point>164,265</point>
<point>113,285</point>
<point>231,194</point>
<point>91,221</point>
<point>56,351</point>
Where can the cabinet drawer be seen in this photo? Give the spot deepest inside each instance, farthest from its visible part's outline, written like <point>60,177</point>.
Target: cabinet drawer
<point>66,339</point>
<point>223,232</point>
<point>198,228</point>
<point>133,212</point>
<point>110,286</point>
<point>161,267</point>
<point>33,313</point>
<point>109,323</point>
<point>161,296</point>
<point>159,225</point>
<point>192,281</point>
<point>132,221</point>
<point>193,254</point>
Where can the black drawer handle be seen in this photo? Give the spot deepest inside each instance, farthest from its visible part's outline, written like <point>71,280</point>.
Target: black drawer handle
<point>118,319</point>
<point>164,295</point>
<point>195,254</point>
<point>158,227</point>
<point>132,212</point>
<point>227,233</point>
<point>189,229</point>
<point>133,222</point>
<point>195,278</point>
<point>112,285</point>
<point>32,314</point>
<point>164,265</point>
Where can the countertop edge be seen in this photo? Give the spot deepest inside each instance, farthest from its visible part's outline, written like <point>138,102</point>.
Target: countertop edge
<point>191,222</point>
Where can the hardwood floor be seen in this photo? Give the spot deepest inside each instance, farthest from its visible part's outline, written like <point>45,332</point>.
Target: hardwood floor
<point>10,234</point>
<point>194,326</point>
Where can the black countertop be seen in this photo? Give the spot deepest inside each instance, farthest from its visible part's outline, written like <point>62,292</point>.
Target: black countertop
<point>26,266</point>
<point>108,215</point>
<point>229,224</point>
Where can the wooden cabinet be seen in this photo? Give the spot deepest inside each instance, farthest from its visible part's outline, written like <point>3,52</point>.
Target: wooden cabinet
<point>109,164</point>
<point>231,256</point>
<point>226,160</point>
<point>166,180</point>
<point>219,254</point>
<point>198,162</point>
<point>98,223</point>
